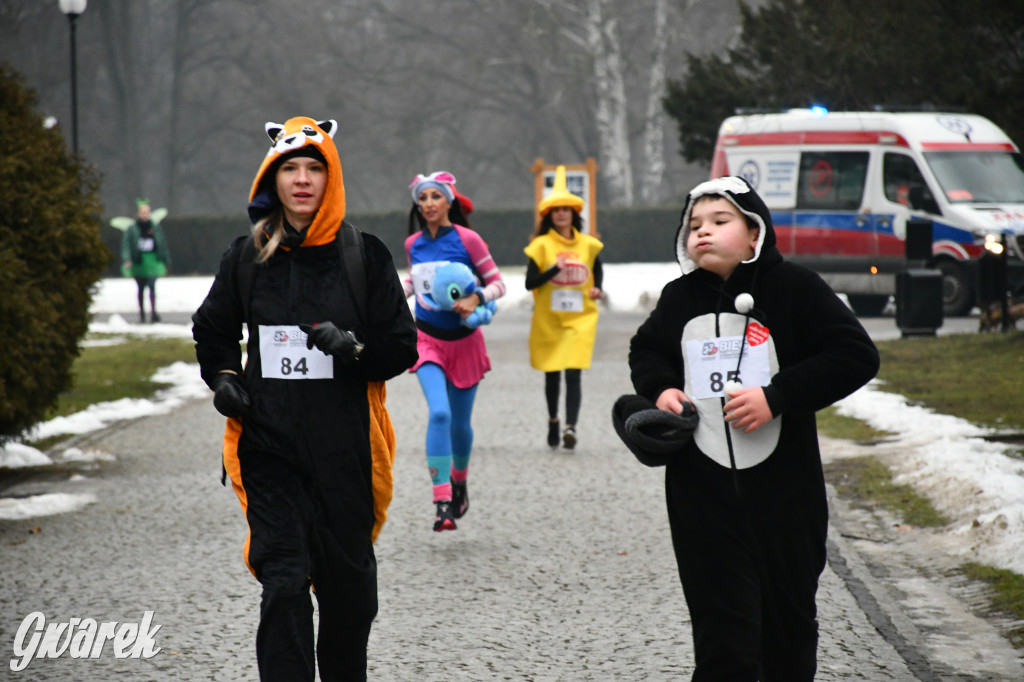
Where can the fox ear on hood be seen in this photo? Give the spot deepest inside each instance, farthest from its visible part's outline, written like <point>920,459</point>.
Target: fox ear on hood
<point>273,129</point>
<point>330,126</point>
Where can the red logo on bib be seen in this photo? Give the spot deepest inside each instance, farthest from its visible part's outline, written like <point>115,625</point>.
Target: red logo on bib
<point>573,274</point>
<point>756,334</point>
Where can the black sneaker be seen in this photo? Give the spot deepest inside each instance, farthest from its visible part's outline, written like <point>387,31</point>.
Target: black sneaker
<point>444,520</point>
<point>569,438</point>
<point>460,499</point>
<point>553,433</point>
<point>154,317</point>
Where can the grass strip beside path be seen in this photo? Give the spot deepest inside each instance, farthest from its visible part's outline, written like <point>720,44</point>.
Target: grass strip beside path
<point>106,373</point>
<point>977,377</point>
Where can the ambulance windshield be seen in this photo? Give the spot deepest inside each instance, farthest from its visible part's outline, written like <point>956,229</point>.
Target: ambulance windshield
<point>979,177</point>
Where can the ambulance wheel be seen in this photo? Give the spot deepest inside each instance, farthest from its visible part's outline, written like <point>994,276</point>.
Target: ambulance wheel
<point>867,305</point>
<point>957,292</point>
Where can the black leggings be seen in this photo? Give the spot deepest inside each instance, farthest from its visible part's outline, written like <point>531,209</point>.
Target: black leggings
<point>573,394</point>
<point>144,283</point>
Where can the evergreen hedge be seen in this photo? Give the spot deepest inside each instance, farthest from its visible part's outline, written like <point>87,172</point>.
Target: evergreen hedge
<point>50,257</point>
<point>630,235</point>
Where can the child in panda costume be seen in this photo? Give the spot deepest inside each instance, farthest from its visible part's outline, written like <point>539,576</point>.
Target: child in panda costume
<point>757,345</point>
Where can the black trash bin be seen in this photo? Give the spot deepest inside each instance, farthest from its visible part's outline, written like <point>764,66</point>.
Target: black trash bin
<point>919,301</point>
<point>991,281</point>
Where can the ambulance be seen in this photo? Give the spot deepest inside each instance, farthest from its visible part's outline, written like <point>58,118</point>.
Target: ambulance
<point>842,187</point>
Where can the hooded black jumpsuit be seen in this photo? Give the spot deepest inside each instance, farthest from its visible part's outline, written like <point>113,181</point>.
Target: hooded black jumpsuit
<point>748,512</point>
<point>311,462</point>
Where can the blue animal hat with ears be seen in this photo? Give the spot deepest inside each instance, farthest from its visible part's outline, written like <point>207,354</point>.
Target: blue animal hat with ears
<point>442,181</point>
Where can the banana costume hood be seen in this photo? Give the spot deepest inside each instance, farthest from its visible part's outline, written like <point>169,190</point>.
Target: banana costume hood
<point>302,136</point>
<point>559,196</point>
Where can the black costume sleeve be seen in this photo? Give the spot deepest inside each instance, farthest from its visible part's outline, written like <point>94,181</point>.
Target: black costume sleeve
<point>535,278</point>
<point>217,324</point>
<point>837,355</point>
<point>598,273</point>
<point>389,335</point>
<point>655,355</point>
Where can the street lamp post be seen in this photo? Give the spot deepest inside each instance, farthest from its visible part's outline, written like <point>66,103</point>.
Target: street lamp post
<point>73,8</point>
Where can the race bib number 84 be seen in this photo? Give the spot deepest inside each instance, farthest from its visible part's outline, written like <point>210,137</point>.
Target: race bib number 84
<point>283,355</point>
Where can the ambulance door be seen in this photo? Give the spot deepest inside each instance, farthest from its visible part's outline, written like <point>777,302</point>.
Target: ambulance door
<point>901,180</point>
<point>829,223</point>
<point>772,171</point>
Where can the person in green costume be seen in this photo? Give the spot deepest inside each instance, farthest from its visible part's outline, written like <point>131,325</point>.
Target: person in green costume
<point>144,256</point>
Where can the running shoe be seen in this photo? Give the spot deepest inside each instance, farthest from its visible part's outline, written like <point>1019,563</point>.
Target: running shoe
<point>460,499</point>
<point>569,438</point>
<point>553,433</point>
<point>444,520</point>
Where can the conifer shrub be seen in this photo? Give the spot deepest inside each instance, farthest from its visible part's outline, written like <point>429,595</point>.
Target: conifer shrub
<point>51,255</point>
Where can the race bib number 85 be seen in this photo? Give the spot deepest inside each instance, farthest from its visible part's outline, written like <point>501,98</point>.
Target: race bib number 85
<point>284,355</point>
<point>712,362</point>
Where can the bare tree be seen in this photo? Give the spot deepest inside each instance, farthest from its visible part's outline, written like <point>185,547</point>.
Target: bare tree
<point>174,93</point>
<point>654,114</point>
<point>602,39</point>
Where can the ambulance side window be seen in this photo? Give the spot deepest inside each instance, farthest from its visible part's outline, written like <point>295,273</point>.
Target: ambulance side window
<point>831,180</point>
<point>904,183</point>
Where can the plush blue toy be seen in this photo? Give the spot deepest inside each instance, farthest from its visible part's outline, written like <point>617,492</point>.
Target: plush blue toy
<point>453,281</point>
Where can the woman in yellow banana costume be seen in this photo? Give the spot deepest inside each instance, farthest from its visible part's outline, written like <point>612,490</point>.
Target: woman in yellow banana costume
<point>564,274</point>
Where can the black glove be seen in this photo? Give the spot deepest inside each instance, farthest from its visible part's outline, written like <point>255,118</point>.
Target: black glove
<point>654,436</point>
<point>229,395</point>
<point>340,343</point>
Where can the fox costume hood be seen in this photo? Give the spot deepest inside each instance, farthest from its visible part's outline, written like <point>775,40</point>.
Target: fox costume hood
<point>302,136</point>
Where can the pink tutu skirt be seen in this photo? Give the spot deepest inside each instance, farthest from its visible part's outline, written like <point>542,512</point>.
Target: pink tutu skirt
<point>464,361</point>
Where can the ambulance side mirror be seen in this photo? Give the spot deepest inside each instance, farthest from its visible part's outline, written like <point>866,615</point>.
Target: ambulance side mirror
<point>919,201</point>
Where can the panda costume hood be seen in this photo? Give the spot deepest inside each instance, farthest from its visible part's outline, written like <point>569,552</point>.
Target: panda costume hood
<point>740,194</point>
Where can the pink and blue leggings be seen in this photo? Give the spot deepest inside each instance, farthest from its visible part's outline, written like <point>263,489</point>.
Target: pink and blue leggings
<point>449,432</point>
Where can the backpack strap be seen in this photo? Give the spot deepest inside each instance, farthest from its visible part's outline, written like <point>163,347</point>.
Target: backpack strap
<point>353,256</point>
<point>244,273</point>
